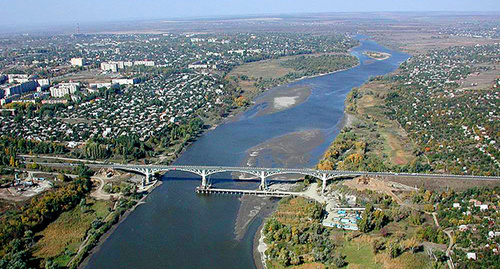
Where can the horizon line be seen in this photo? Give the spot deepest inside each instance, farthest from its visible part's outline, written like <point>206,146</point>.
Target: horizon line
<point>241,15</point>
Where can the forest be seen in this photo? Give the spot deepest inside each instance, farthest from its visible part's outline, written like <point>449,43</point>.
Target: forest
<point>18,227</point>
<point>314,65</point>
<point>295,236</point>
<point>304,66</point>
<point>11,146</point>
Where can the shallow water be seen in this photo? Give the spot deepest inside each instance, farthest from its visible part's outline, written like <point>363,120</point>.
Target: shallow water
<point>176,228</point>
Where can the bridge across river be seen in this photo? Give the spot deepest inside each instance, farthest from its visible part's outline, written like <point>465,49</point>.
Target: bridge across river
<point>264,174</point>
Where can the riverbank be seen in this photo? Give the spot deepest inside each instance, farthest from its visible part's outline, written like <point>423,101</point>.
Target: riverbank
<point>260,248</point>
<point>108,233</point>
<point>371,133</point>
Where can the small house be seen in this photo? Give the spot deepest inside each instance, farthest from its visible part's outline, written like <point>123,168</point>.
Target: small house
<point>471,255</point>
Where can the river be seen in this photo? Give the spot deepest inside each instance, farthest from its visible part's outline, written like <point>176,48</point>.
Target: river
<point>176,228</point>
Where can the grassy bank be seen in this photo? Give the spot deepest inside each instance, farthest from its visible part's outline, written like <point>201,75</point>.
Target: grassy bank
<point>370,140</point>
<point>253,78</point>
<point>62,238</point>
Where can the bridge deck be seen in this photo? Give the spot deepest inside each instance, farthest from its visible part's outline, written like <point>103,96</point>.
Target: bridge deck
<point>280,171</point>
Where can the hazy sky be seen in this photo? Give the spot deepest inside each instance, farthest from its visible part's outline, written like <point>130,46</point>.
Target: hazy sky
<point>32,12</point>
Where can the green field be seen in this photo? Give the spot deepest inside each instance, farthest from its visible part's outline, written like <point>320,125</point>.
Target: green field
<point>61,239</point>
<point>359,255</point>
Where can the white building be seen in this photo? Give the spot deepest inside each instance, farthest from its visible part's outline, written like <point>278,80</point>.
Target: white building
<point>471,255</point>
<point>77,62</point>
<point>125,81</point>
<point>100,85</point>
<point>64,88</point>
<point>106,132</point>
<point>492,234</point>
<point>113,67</point>
<point>17,78</point>
<point>19,88</point>
<point>146,63</point>
<point>198,66</point>
<point>43,82</point>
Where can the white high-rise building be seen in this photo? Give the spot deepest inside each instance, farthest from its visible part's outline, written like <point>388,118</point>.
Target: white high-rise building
<point>64,88</point>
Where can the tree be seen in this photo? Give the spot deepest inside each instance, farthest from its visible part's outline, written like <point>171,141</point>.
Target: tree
<point>410,244</point>
<point>16,257</point>
<point>377,246</point>
<point>339,260</point>
<point>366,223</point>
<point>394,249</point>
<point>62,177</point>
<point>380,219</point>
<point>416,218</point>
<point>284,257</point>
<point>84,171</point>
<point>294,259</point>
<point>50,264</point>
<point>29,238</point>
<point>325,165</point>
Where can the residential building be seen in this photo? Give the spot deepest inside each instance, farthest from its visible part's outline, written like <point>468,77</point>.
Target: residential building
<point>77,61</point>
<point>125,81</point>
<point>20,88</point>
<point>113,67</point>
<point>64,88</point>
<point>146,63</point>
<point>17,78</point>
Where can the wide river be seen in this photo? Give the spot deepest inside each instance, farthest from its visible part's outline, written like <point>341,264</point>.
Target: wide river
<point>176,228</point>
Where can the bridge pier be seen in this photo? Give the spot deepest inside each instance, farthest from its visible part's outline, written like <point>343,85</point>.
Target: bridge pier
<point>263,185</point>
<point>148,177</point>
<point>204,179</point>
<point>323,179</point>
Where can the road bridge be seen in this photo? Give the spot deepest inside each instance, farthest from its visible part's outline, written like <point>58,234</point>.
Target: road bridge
<point>204,171</point>
<point>264,174</point>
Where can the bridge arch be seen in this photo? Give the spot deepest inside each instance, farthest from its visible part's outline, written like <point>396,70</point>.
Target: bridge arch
<point>204,171</point>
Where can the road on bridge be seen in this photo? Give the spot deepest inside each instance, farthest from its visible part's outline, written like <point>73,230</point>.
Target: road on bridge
<point>259,172</point>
